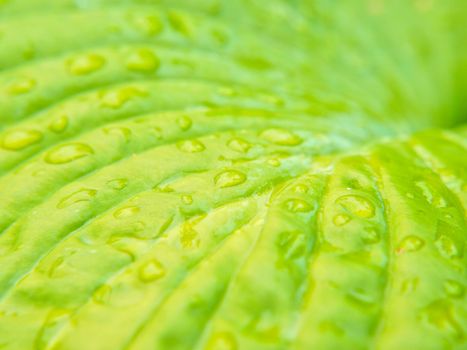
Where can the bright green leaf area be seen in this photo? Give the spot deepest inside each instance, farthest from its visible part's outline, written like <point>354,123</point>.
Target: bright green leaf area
<point>233,174</point>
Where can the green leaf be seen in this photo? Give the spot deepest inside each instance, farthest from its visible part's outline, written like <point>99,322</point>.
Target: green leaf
<point>233,175</point>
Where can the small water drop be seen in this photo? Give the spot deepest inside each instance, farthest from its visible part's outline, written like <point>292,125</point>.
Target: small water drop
<point>447,247</point>
<point>454,289</point>
<point>184,122</point>
<point>298,206</point>
<point>117,98</point>
<point>142,60</point>
<point>151,271</point>
<point>119,131</point>
<point>68,153</point>
<point>117,184</point>
<point>239,145</point>
<point>148,24</point>
<point>189,238</point>
<point>83,195</point>
<point>222,341</point>
<point>85,64</point>
<point>281,137</point>
<point>21,86</point>
<point>126,212</point>
<point>102,294</point>
<point>410,244</point>
<point>341,219</point>
<point>274,162</point>
<point>357,205</point>
<point>229,178</point>
<point>187,199</point>
<point>370,236</point>
<point>300,188</point>
<point>191,146</point>
<point>59,124</point>
<point>20,139</point>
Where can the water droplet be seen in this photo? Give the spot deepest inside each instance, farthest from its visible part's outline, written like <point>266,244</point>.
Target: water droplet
<point>184,123</point>
<point>85,64</point>
<point>83,195</point>
<point>300,188</point>
<point>117,98</point>
<point>274,162</point>
<point>143,60</point>
<point>410,244</point>
<point>191,146</point>
<point>298,206</point>
<point>149,25</point>
<point>151,271</point>
<point>281,137</point>
<point>179,23</point>
<point>341,219</point>
<point>21,86</point>
<point>117,184</point>
<point>222,341</point>
<point>453,289</point>
<point>447,247</point>
<point>187,199</point>
<point>370,236</point>
<point>102,294</point>
<point>439,314</point>
<point>126,212</point>
<point>357,205</point>
<point>119,131</point>
<point>59,124</point>
<point>189,238</point>
<point>19,139</point>
<point>68,153</point>
<point>425,189</point>
<point>239,145</point>
<point>229,178</point>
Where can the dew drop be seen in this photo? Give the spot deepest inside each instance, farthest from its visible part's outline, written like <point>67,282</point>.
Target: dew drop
<point>191,146</point>
<point>454,289</point>
<point>222,341</point>
<point>300,188</point>
<point>102,294</point>
<point>370,236</point>
<point>410,244</point>
<point>239,145</point>
<point>126,212</point>
<point>21,86</point>
<point>83,195</point>
<point>59,124</point>
<point>298,206</point>
<point>149,25</point>
<point>341,219</point>
<point>85,64</point>
<point>229,178</point>
<point>189,238</point>
<point>117,184</point>
<point>281,137</point>
<point>439,314</point>
<point>357,205</point>
<point>68,153</point>
<point>447,247</point>
<point>184,123</point>
<point>187,199</point>
<point>142,60</point>
<point>274,162</point>
<point>119,131</point>
<point>151,271</point>
<point>20,139</point>
<point>117,98</point>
